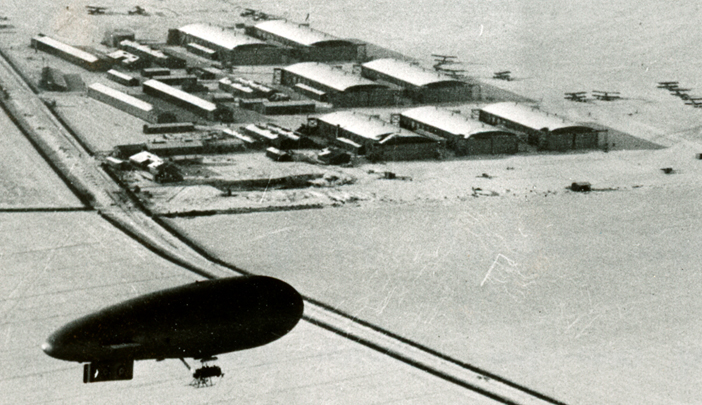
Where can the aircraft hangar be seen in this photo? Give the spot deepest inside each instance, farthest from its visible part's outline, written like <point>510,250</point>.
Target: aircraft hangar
<point>328,84</point>
<point>308,44</point>
<point>421,85</point>
<point>466,136</point>
<point>546,131</point>
<point>218,43</point>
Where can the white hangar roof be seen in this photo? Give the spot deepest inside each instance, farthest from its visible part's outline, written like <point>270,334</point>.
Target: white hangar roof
<point>328,76</point>
<point>413,74</point>
<point>301,34</point>
<point>454,123</point>
<point>366,125</point>
<point>529,117</point>
<point>219,36</point>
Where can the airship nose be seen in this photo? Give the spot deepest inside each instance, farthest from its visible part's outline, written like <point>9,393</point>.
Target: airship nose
<point>56,347</point>
<point>48,348</point>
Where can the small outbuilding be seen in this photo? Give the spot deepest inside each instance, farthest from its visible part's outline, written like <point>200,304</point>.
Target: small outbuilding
<point>70,53</point>
<point>114,37</point>
<point>152,55</point>
<point>144,159</point>
<point>123,101</point>
<point>122,78</point>
<point>188,101</point>
<point>545,130</point>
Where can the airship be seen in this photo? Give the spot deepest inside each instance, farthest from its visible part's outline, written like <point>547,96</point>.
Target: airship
<point>198,320</point>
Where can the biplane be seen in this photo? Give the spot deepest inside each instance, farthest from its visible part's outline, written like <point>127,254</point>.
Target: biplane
<point>95,10</point>
<point>696,102</point>
<point>441,60</point>
<point>667,85</point>
<point>503,75</point>
<point>606,95</point>
<point>578,96</point>
<point>137,10</point>
<point>682,93</point>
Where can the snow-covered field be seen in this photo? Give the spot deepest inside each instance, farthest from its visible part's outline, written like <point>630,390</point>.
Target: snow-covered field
<point>590,298</point>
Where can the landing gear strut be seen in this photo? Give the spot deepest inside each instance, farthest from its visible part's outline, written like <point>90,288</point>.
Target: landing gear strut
<point>202,377</point>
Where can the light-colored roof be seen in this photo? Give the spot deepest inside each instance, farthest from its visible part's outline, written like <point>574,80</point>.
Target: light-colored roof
<point>301,34</point>
<point>238,135</point>
<point>365,125</point>
<point>201,48</point>
<point>219,36</point>
<point>144,48</point>
<point>143,157</point>
<point>188,98</point>
<point>230,85</point>
<point>119,74</point>
<point>88,57</point>
<point>528,116</point>
<point>311,89</point>
<point>349,142</point>
<point>445,120</point>
<point>413,74</point>
<point>124,97</point>
<point>263,132</point>
<point>328,76</point>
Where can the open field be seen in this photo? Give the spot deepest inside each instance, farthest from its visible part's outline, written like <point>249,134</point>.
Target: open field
<point>520,176</point>
<point>589,298</point>
<point>27,181</point>
<point>101,125</point>
<point>59,266</point>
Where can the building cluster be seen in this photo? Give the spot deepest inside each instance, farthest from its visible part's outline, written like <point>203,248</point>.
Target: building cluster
<point>308,77</point>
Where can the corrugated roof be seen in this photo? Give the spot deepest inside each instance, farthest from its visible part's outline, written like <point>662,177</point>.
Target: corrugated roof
<point>124,97</point>
<point>445,120</point>
<point>413,74</point>
<point>119,74</point>
<point>188,98</point>
<point>88,57</point>
<point>528,116</point>
<point>219,36</point>
<point>336,79</point>
<point>298,33</point>
<point>365,125</point>
<point>263,132</point>
<point>143,48</point>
